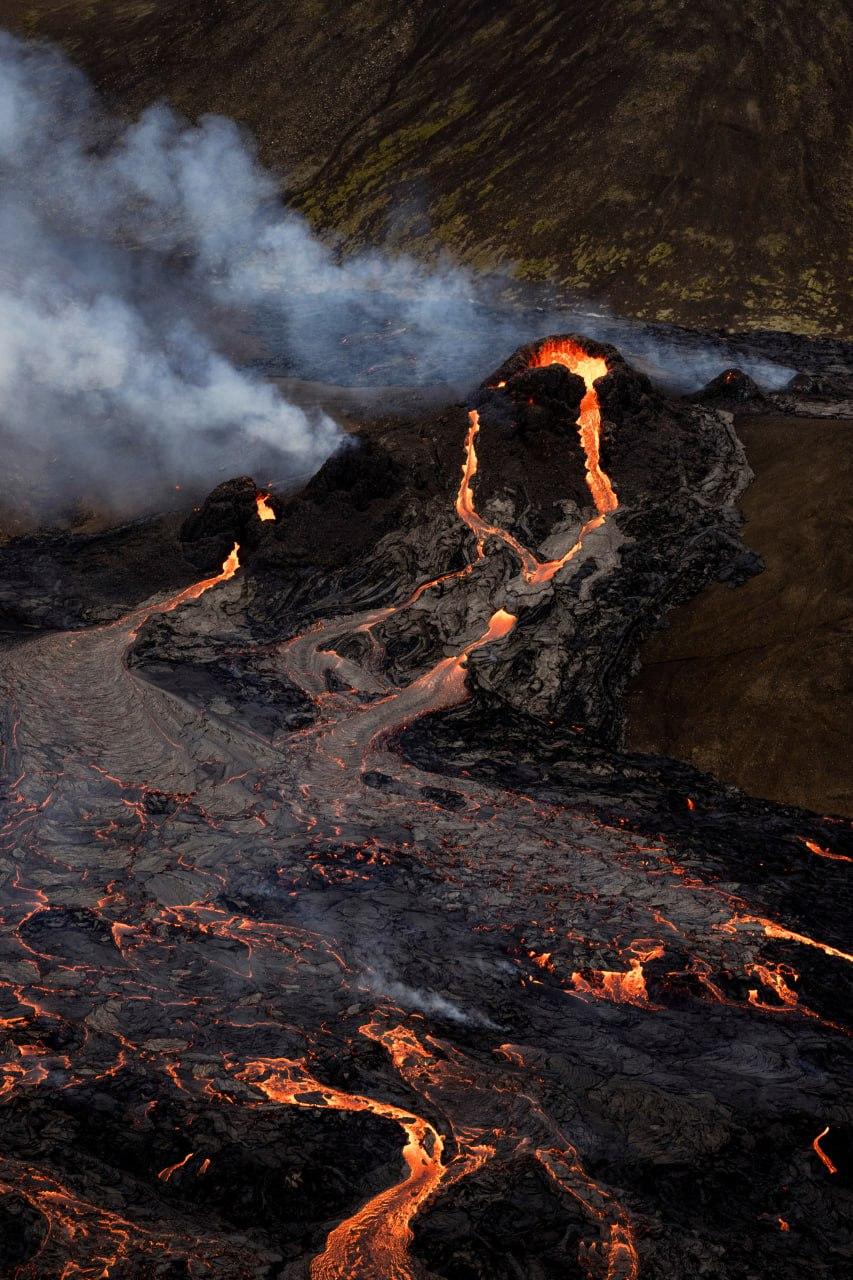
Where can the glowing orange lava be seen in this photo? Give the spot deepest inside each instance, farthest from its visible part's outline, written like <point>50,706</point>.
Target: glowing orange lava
<point>618,986</point>
<point>773,977</point>
<point>467,512</point>
<point>590,368</point>
<point>820,852</point>
<point>621,1251</point>
<point>373,1243</point>
<point>821,1154</point>
<point>773,930</point>
<point>265,511</point>
<point>443,685</point>
<point>230,565</point>
<point>165,1174</point>
<point>500,625</point>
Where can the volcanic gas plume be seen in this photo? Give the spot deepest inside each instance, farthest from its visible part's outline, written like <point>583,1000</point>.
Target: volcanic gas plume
<point>341,940</point>
<point>153,275</point>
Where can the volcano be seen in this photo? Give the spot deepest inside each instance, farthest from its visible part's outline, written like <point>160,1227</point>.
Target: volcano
<point>342,937</point>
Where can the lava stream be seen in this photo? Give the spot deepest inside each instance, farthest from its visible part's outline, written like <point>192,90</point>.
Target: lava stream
<point>621,1251</point>
<point>820,852</point>
<point>821,1154</point>
<point>467,512</point>
<point>590,368</point>
<point>774,930</point>
<point>373,1243</point>
<point>230,565</point>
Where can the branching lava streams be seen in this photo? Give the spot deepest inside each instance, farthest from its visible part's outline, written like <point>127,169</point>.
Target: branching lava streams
<point>234,898</point>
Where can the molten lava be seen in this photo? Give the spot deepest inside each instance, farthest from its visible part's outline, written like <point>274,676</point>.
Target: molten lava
<point>467,512</point>
<point>230,565</point>
<point>467,1111</point>
<point>620,987</point>
<point>820,852</point>
<point>564,1168</point>
<point>774,978</point>
<point>590,368</point>
<point>373,1243</point>
<point>821,1154</point>
<point>774,930</point>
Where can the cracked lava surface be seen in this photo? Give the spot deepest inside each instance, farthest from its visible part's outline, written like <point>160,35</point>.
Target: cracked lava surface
<point>415,977</point>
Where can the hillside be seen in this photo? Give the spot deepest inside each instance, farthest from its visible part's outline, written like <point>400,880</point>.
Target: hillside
<point>682,160</point>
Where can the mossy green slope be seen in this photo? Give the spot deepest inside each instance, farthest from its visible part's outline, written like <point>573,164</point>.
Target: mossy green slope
<point>682,159</point>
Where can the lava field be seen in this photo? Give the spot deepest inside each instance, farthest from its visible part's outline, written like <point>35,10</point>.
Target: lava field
<point>342,939</point>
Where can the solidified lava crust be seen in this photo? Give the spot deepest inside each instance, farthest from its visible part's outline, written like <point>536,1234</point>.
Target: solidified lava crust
<point>340,938</point>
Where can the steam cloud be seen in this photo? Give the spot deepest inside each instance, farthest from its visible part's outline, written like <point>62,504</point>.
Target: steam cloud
<point>387,988</point>
<point>128,251</point>
<point>115,245</point>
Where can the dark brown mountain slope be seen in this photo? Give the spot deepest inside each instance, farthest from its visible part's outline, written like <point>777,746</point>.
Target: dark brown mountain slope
<point>754,684</point>
<point>682,158</point>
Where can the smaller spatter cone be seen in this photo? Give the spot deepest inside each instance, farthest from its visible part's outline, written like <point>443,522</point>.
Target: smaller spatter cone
<point>821,386</point>
<point>733,389</point>
<point>229,514</point>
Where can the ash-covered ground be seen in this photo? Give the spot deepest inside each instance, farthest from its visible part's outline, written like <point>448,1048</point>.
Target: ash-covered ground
<point>340,936</point>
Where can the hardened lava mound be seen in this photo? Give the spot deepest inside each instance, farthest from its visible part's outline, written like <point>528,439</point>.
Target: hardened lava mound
<point>341,939</point>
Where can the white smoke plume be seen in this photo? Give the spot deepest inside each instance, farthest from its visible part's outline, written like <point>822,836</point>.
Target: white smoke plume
<point>127,249</point>
<point>400,993</point>
<point>111,240</point>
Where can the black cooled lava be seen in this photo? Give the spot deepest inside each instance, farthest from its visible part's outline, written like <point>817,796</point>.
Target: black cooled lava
<point>339,937</point>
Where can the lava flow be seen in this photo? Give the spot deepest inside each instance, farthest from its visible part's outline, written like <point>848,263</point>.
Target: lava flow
<point>230,565</point>
<point>821,1154</point>
<point>590,369</point>
<point>373,1243</point>
<point>352,837</point>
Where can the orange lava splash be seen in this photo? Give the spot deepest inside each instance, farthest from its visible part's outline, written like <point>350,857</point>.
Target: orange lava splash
<point>265,511</point>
